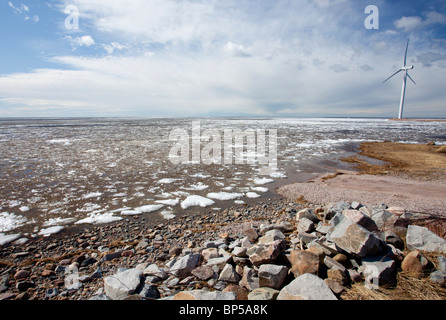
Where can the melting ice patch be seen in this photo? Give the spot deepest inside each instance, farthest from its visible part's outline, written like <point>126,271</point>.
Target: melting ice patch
<point>10,221</point>
<point>261,181</point>
<point>252,195</point>
<point>92,195</point>
<point>51,230</point>
<point>195,201</point>
<point>224,195</point>
<point>169,202</point>
<point>98,218</point>
<point>150,208</point>
<point>7,238</point>
<point>167,214</point>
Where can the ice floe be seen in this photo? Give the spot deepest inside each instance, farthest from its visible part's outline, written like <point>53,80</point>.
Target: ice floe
<point>195,201</point>
<point>224,195</point>
<point>46,232</point>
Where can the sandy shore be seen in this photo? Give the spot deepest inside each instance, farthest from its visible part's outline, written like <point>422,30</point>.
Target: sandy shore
<point>409,176</point>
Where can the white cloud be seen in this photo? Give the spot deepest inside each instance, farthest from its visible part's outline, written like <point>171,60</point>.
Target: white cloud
<point>409,24</point>
<point>84,41</point>
<point>413,23</point>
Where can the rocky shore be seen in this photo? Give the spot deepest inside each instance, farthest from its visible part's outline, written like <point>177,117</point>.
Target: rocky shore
<point>275,250</point>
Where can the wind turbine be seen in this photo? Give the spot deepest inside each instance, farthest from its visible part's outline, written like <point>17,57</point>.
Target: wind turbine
<point>405,69</point>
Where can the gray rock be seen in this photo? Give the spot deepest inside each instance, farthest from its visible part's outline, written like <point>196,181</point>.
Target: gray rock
<point>271,236</point>
<point>336,208</point>
<point>272,276</point>
<point>394,239</point>
<point>383,219</point>
<point>219,262</point>
<point>154,270</point>
<point>51,293</point>
<point>378,270</point>
<point>308,214</point>
<point>306,287</point>
<point>354,239</point>
<point>305,225</point>
<point>421,238</point>
<point>437,277</point>
<point>441,265</point>
<point>261,253</point>
<point>183,266</point>
<point>149,291</point>
<point>122,284</point>
<point>228,274</point>
<point>249,280</point>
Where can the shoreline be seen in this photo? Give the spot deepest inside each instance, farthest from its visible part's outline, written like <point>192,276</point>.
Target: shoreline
<point>138,239</point>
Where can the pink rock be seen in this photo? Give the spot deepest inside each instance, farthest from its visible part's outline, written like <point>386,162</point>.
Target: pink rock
<point>21,274</point>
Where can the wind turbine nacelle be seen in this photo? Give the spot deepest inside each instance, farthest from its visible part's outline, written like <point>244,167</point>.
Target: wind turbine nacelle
<point>407,68</point>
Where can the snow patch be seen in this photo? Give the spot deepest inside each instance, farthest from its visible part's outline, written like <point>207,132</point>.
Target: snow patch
<point>194,201</point>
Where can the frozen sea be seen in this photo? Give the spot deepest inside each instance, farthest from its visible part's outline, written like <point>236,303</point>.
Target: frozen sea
<point>60,172</point>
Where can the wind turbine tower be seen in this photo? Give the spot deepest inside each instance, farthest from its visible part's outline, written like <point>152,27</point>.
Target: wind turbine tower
<point>405,69</point>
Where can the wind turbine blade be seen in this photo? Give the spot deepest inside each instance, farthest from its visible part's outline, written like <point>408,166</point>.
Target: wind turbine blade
<point>411,78</point>
<point>393,75</point>
<point>405,55</point>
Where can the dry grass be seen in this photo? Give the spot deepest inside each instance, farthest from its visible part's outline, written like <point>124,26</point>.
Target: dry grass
<point>408,288</point>
<point>416,160</point>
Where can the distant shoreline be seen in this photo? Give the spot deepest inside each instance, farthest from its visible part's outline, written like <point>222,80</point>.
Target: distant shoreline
<point>420,120</point>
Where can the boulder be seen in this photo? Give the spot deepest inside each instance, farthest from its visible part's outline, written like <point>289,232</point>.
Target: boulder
<point>228,274</point>
<point>308,214</point>
<point>360,218</point>
<point>305,225</point>
<point>265,253</point>
<point>203,273</point>
<point>421,238</point>
<point>383,219</point>
<point>353,238</point>
<point>414,263</point>
<point>183,266</point>
<point>271,236</point>
<point>304,262</point>
<point>306,287</point>
<point>272,276</point>
<point>336,208</point>
<point>122,284</point>
<point>378,270</point>
<point>249,280</point>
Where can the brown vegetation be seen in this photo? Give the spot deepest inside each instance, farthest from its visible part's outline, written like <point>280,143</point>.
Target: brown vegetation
<point>415,160</point>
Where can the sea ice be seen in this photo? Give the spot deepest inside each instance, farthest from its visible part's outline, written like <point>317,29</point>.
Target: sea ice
<point>130,212</point>
<point>261,181</point>
<point>99,218</point>
<point>7,238</point>
<point>10,221</point>
<point>92,195</point>
<point>252,195</point>
<point>195,200</point>
<point>167,214</point>
<point>169,202</point>
<point>224,195</point>
<point>51,230</point>
<point>150,208</point>
<point>260,189</point>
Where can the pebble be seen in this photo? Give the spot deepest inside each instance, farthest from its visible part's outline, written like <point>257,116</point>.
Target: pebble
<point>245,252</point>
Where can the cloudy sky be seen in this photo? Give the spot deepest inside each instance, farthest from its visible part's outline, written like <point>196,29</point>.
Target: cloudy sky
<point>154,58</point>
